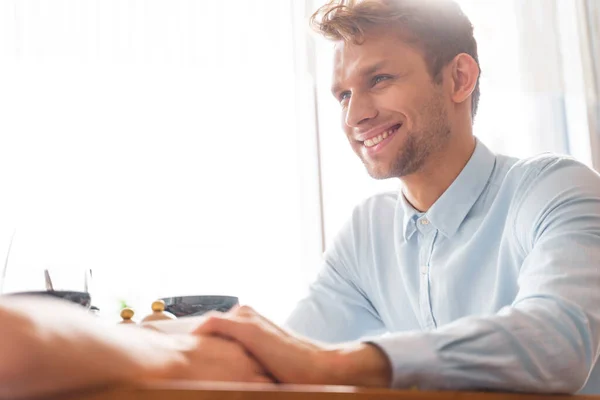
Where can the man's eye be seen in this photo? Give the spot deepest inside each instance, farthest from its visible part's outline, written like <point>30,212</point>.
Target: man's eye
<point>344,96</point>
<point>380,78</point>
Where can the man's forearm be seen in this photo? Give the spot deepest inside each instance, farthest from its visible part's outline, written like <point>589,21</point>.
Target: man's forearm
<point>530,348</point>
<point>48,347</point>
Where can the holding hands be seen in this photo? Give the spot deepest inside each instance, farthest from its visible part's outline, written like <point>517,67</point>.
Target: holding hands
<point>292,359</point>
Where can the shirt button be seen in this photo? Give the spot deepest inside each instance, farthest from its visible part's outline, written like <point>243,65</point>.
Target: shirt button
<point>424,221</point>
<point>424,269</point>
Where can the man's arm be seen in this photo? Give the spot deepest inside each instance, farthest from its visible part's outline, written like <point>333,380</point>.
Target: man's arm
<point>51,346</point>
<point>546,341</point>
<point>336,308</point>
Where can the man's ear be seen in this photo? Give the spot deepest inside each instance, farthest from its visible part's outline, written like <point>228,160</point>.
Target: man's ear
<point>464,75</point>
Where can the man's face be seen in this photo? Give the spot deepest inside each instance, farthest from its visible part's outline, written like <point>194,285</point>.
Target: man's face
<point>394,115</point>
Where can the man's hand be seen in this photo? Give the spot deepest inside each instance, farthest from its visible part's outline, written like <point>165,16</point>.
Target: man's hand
<point>217,359</point>
<point>291,359</point>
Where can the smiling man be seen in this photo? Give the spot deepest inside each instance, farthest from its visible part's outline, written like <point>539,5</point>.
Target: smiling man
<point>483,272</point>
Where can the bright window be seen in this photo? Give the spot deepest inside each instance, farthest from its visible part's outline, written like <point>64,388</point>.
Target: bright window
<point>159,144</point>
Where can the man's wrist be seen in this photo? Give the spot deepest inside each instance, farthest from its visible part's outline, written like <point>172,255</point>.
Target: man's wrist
<point>360,364</point>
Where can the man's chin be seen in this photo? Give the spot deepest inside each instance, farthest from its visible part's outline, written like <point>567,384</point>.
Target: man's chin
<point>379,173</point>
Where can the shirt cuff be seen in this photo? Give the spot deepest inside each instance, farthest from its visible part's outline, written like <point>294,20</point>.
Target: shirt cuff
<point>412,356</point>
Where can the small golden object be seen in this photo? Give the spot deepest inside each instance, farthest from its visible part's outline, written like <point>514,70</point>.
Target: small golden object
<point>158,305</point>
<point>158,312</point>
<point>126,315</point>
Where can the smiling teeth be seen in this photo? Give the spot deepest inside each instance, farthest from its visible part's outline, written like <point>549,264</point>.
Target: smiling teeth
<point>376,140</point>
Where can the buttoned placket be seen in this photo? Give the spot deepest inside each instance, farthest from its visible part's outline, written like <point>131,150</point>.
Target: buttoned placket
<point>427,236</point>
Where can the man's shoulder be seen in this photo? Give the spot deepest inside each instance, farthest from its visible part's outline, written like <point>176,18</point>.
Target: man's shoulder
<point>372,217</point>
<point>371,214</point>
<point>548,192</point>
<point>525,173</point>
<point>544,163</point>
<point>377,204</point>
<point>545,181</point>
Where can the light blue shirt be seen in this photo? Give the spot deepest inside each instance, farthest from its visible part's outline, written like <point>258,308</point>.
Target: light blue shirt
<point>496,286</point>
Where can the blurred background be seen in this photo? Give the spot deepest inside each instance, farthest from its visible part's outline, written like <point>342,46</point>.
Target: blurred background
<point>192,147</point>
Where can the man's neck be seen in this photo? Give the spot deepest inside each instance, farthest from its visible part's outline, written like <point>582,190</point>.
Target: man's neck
<point>425,187</point>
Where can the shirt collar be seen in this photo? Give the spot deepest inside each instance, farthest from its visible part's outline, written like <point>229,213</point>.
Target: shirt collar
<point>450,210</point>
<point>410,216</point>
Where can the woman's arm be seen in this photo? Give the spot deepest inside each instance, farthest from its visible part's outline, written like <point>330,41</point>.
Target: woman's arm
<point>49,346</point>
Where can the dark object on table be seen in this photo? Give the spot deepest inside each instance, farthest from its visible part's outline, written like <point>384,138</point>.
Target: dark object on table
<point>188,306</point>
<point>81,298</point>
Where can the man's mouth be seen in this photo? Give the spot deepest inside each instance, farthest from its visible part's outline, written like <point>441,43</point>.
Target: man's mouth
<point>381,137</point>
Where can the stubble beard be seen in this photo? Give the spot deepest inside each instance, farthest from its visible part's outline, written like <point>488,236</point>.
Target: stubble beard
<point>419,145</point>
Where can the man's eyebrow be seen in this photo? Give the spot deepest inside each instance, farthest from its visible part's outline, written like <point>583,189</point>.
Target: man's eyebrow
<point>335,88</point>
<point>363,72</point>
<point>367,71</point>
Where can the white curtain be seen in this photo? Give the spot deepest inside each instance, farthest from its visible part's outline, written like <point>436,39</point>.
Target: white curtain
<point>534,94</point>
<point>169,146</point>
<point>568,37</point>
<point>588,17</point>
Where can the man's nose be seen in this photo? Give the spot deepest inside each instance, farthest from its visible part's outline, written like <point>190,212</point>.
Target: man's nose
<point>360,110</point>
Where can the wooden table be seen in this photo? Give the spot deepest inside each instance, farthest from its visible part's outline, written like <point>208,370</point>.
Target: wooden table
<point>242,391</point>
